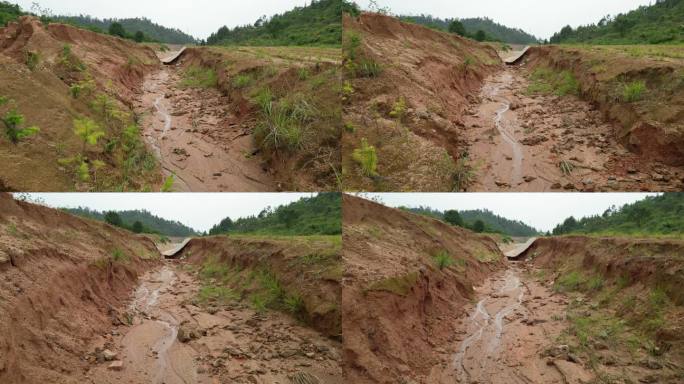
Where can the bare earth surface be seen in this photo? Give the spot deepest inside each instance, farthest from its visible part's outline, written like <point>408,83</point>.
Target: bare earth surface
<point>173,341</point>
<point>518,142</point>
<point>503,338</point>
<point>197,138</point>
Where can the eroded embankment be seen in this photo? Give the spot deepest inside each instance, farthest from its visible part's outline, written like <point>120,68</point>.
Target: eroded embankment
<point>274,112</point>
<point>53,74</point>
<point>642,93</point>
<point>406,92</point>
<point>65,281</point>
<point>626,303</point>
<point>406,276</point>
<point>306,270</point>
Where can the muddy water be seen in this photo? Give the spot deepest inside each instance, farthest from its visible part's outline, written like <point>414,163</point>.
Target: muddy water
<point>537,143</point>
<point>197,138</point>
<point>486,329</point>
<point>504,127</point>
<point>159,333</point>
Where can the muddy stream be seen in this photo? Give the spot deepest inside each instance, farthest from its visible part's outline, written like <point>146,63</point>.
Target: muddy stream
<point>197,138</point>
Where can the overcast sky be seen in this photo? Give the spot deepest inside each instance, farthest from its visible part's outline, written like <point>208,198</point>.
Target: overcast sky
<point>541,18</point>
<point>200,18</point>
<point>541,210</point>
<point>200,211</point>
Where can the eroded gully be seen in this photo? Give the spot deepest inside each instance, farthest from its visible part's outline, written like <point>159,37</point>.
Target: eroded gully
<point>197,139</point>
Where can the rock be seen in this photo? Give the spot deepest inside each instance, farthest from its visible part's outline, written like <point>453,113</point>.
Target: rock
<point>574,358</point>
<point>187,333</point>
<point>303,378</point>
<point>556,186</point>
<point>108,355</point>
<point>651,364</point>
<point>116,365</point>
<point>529,179</point>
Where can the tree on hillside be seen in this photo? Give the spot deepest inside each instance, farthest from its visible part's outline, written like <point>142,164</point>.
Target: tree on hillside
<point>288,216</point>
<point>453,218</point>
<point>137,227</point>
<point>116,29</point>
<point>139,37</point>
<point>480,35</point>
<point>113,218</point>
<point>479,226</point>
<point>457,28</point>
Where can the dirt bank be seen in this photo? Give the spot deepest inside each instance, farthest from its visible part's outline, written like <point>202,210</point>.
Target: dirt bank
<point>396,300</point>
<point>650,123</point>
<point>65,282</point>
<point>238,110</point>
<point>407,91</point>
<point>526,141</point>
<point>626,304</point>
<point>308,267</point>
<point>56,73</point>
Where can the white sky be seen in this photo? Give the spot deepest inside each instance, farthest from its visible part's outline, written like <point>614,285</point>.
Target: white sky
<point>199,18</point>
<point>200,211</point>
<point>541,18</point>
<point>541,210</point>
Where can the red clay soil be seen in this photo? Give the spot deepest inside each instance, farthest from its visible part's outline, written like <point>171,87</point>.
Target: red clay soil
<point>60,289</point>
<point>42,95</point>
<point>396,301</point>
<point>435,73</point>
<point>641,284</point>
<point>317,285</point>
<point>652,127</point>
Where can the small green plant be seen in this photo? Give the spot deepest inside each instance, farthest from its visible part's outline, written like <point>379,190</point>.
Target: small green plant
<point>633,91</point>
<point>279,128</point>
<point>32,60</point>
<point>216,294</point>
<point>547,81</point>
<point>399,109</point>
<point>119,256</point>
<point>367,158</point>
<point>569,282</point>
<point>242,81</point>
<point>463,174</point>
<point>263,98</point>
<point>294,303</point>
<point>349,127</point>
<point>198,77</point>
<point>443,259</point>
<point>566,167</point>
<point>350,43</point>
<point>168,183</point>
<point>303,74</point>
<point>85,87</point>
<point>88,131</point>
<point>347,91</point>
<point>369,68</point>
<point>13,122</point>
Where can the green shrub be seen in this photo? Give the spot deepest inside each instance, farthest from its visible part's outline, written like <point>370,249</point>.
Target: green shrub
<point>168,184</point>
<point>367,158</point>
<point>633,91</point>
<point>369,68</point>
<point>279,129</point>
<point>399,109</point>
<point>443,259</point>
<point>242,81</point>
<point>198,77</point>
<point>32,60</point>
<point>119,256</point>
<point>13,122</point>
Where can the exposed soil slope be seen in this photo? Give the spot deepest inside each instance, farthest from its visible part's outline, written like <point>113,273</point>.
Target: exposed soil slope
<point>651,124</point>
<point>39,64</point>
<point>626,303</point>
<point>64,283</point>
<point>398,305</point>
<point>254,274</point>
<point>266,119</point>
<point>408,89</point>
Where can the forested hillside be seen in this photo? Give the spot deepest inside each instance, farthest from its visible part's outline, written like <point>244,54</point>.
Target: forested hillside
<point>318,24</point>
<point>660,215</point>
<point>151,30</point>
<point>8,12</point>
<point>150,223</point>
<point>662,22</point>
<point>492,223</point>
<point>145,29</point>
<point>319,215</point>
<point>492,31</point>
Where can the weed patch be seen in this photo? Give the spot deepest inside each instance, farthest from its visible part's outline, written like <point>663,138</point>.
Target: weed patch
<point>198,77</point>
